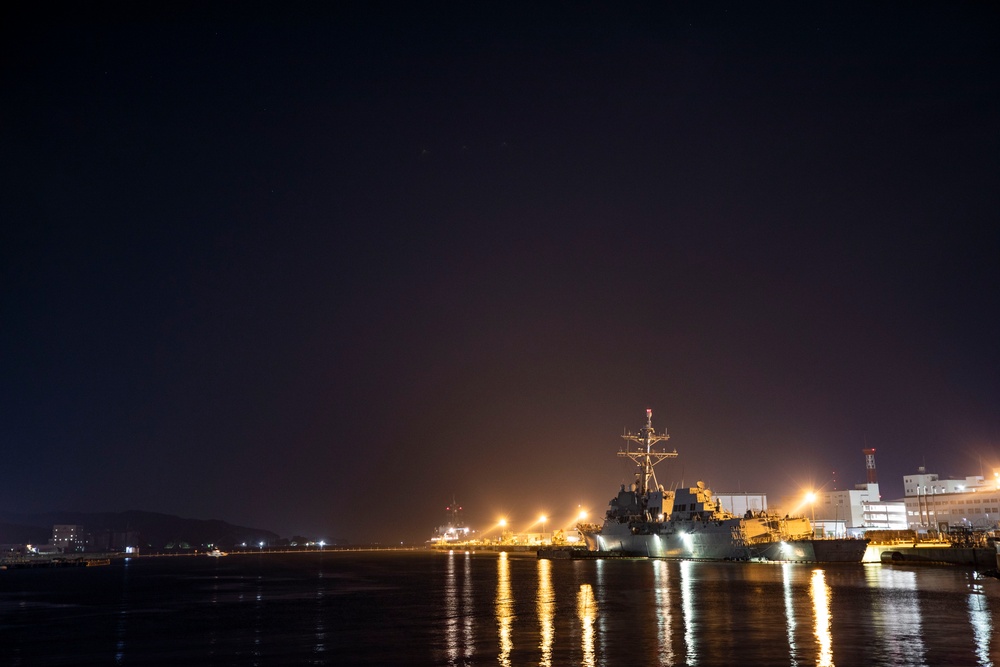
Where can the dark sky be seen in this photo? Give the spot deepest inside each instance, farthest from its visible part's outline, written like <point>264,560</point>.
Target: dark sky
<point>320,271</point>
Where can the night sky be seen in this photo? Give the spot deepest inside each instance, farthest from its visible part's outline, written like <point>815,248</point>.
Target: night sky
<point>320,271</point>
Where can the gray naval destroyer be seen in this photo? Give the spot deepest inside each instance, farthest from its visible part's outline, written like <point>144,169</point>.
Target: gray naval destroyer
<point>647,520</point>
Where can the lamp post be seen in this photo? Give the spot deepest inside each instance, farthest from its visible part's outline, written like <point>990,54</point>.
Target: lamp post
<point>811,499</point>
<point>542,519</point>
<point>502,525</point>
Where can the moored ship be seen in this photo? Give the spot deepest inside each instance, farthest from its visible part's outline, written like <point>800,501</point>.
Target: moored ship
<point>455,531</point>
<point>647,520</point>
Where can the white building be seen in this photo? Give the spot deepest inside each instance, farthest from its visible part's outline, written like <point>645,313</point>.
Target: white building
<point>924,484</point>
<point>885,515</point>
<point>846,506</point>
<point>939,504</point>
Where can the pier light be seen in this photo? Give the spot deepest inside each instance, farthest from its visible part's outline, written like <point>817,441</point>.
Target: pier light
<point>499,525</point>
<point>321,545</point>
<point>811,499</point>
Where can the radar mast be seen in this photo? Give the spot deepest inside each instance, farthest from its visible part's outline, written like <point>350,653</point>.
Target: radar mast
<point>644,456</point>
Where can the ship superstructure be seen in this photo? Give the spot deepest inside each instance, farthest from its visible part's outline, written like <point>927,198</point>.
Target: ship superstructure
<point>648,520</point>
<point>455,528</point>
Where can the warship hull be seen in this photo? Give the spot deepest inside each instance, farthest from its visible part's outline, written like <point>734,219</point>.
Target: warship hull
<point>722,542</point>
<point>714,543</point>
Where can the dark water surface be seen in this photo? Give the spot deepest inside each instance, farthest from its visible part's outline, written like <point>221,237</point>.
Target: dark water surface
<point>422,608</point>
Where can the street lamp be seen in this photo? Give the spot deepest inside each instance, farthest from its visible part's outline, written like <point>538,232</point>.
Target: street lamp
<point>542,519</point>
<point>811,499</point>
<point>321,545</point>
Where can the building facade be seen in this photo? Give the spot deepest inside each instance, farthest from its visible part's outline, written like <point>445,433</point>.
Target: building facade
<point>943,504</point>
<point>68,538</point>
<point>885,515</point>
<point>846,506</point>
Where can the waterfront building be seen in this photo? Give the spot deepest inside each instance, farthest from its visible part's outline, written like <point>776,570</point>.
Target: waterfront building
<point>943,504</point>
<point>844,509</point>
<point>126,541</point>
<point>68,538</point>
<point>885,515</point>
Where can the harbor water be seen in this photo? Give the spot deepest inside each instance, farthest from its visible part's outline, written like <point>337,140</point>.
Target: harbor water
<point>426,608</point>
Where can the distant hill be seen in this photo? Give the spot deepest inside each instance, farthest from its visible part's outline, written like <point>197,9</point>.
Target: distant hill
<point>155,531</point>
<point>17,533</point>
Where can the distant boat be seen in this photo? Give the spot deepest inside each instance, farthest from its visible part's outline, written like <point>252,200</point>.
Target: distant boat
<point>215,553</point>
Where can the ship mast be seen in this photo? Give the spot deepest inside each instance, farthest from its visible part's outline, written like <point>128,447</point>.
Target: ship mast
<point>645,457</point>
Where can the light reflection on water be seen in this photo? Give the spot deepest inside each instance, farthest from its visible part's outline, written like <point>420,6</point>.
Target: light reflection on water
<point>320,631</point>
<point>694,619</point>
<point>981,619</point>
<point>258,625</point>
<point>505,609</point>
<point>488,609</point>
<point>467,607</point>
<point>688,605</point>
<point>601,598</point>
<point>586,606</point>
<point>451,616</point>
<point>787,576</point>
<point>821,610</point>
<point>459,619</point>
<point>896,615</point>
<point>546,611</point>
<point>664,618</point>
<point>122,622</point>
